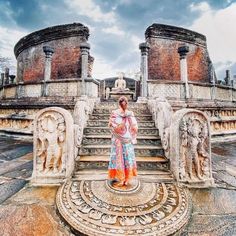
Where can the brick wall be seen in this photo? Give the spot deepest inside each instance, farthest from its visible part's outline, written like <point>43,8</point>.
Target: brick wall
<point>66,61</point>
<point>163,59</point>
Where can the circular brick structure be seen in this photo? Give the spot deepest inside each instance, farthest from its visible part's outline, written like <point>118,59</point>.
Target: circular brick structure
<point>164,60</point>
<point>64,39</point>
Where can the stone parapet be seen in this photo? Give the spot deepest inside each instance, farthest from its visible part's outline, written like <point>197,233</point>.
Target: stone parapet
<point>56,88</point>
<point>197,91</point>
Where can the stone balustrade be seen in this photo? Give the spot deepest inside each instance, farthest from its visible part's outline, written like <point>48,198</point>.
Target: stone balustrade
<point>201,91</point>
<point>61,88</point>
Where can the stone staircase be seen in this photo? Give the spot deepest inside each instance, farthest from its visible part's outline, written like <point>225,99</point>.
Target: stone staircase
<point>151,205</point>
<point>96,144</point>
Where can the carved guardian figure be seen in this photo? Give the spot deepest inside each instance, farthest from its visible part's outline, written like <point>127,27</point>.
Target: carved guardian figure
<point>190,148</point>
<point>53,149</point>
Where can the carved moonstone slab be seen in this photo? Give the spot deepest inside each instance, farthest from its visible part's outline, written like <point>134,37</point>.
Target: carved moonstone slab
<point>190,148</point>
<point>91,208</point>
<point>53,146</point>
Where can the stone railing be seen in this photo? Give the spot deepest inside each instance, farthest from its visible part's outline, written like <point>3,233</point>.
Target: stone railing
<point>83,108</point>
<point>202,91</point>
<point>58,88</point>
<point>162,113</point>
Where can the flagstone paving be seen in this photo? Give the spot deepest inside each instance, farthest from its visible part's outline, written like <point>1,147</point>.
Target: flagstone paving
<point>32,209</point>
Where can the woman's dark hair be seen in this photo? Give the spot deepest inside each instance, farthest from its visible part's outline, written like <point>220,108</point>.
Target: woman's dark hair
<point>121,100</point>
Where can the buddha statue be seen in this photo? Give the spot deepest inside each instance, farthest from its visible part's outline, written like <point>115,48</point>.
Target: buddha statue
<point>120,84</point>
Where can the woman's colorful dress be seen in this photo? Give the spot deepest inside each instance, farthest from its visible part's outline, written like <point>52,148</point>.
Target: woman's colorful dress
<point>122,165</point>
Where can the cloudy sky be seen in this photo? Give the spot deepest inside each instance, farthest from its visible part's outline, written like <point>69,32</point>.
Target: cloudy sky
<point>118,26</point>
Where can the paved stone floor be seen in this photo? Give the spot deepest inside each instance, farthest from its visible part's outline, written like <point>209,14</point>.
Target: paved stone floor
<point>27,210</point>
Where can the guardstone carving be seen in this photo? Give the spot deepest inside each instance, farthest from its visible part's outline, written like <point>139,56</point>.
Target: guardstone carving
<point>190,148</point>
<point>53,149</point>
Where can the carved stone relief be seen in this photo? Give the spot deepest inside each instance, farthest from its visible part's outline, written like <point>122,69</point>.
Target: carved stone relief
<point>53,149</point>
<point>92,208</point>
<point>17,124</point>
<point>190,146</point>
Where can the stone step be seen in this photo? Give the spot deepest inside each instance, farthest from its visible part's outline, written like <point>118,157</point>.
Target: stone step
<point>147,117</point>
<point>147,175</point>
<point>140,150</point>
<point>101,163</point>
<point>106,130</point>
<point>114,105</point>
<point>106,140</point>
<point>137,111</point>
<point>104,123</point>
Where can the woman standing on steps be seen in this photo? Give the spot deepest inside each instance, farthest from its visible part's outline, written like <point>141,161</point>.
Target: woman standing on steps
<point>124,127</point>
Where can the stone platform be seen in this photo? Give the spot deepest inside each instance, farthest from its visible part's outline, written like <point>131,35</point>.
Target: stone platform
<point>93,207</point>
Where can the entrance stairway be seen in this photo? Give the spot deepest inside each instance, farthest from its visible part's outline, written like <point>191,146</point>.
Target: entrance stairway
<point>95,150</point>
<point>152,205</point>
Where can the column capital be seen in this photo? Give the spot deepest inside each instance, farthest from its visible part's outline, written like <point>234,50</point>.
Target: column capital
<point>144,47</point>
<point>84,47</point>
<point>183,51</point>
<point>48,51</point>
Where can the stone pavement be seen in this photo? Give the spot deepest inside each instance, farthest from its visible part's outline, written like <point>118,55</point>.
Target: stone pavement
<point>214,210</point>
<point>32,210</point>
<point>15,165</point>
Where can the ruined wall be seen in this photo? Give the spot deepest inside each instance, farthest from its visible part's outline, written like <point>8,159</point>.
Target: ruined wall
<point>65,39</point>
<point>163,59</point>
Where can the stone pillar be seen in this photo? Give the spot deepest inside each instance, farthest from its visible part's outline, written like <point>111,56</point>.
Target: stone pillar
<point>234,81</point>
<point>84,48</point>
<point>228,78</point>
<point>47,69</point>
<point>6,75</point>
<point>2,79</point>
<point>2,84</point>
<point>183,50</point>
<point>12,78</point>
<point>144,47</point>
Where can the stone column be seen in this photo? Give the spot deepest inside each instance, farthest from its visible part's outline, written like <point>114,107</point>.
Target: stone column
<point>6,75</point>
<point>228,78</point>
<point>84,48</point>
<point>2,79</point>
<point>2,85</point>
<point>47,69</point>
<point>234,81</point>
<point>144,47</point>
<point>183,50</point>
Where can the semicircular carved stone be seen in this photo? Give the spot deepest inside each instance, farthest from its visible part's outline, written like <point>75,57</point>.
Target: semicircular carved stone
<point>91,208</point>
<point>53,146</point>
<point>190,148</point>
